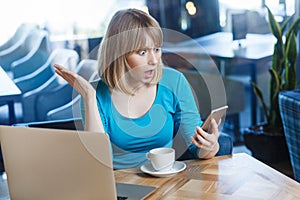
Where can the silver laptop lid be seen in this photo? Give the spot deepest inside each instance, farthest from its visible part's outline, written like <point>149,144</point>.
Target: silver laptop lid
<point>57,164</point>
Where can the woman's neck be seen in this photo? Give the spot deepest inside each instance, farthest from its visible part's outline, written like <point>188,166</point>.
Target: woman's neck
<point>136,105</point>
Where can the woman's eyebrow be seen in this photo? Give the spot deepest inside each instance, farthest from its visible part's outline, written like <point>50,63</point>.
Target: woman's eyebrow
<point>148,48</point>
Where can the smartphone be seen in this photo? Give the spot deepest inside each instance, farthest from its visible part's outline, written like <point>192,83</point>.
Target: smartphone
<point>216,114</point>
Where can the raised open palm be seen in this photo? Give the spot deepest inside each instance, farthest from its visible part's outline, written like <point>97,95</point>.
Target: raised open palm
<point>82,86</point>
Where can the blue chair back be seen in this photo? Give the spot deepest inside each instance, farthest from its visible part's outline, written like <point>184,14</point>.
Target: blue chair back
<point>65,57</point>
<point>289,105</point>
<point>27,48</point>
<point>36,57</point>
<point>17,38</point>
<point>64,95</point>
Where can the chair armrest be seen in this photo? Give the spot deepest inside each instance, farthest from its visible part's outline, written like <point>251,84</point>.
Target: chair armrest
<point>8,57</point>
<point>226,147</point>
<point>68,124</point>
<point>29,98</point>
<point>69,110</point>
<point>30,63</point>
<point>226,144</point>
<point>46,101</point>
<point>35,79</point>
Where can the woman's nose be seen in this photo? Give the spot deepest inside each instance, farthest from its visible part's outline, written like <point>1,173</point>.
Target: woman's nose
<point>152,59</point>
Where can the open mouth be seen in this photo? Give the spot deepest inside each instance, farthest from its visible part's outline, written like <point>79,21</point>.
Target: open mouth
<point>149,74</point>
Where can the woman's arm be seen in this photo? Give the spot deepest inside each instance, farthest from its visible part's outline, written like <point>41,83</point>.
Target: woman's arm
<point>204,144</point>
<point>93,121</point>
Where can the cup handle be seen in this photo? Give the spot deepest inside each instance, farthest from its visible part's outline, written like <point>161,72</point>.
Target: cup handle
<point>148,155</point>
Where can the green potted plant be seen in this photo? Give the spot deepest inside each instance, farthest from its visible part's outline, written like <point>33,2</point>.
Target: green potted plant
<point>266,140</point>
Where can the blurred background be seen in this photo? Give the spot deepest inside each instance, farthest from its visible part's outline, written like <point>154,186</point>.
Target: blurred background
<point>90,17</point>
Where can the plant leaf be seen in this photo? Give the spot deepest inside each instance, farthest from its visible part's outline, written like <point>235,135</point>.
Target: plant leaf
<point>291,48</point>
<point>295,27</point>
<point>278,57</point>
<point>275,77</point>
<point>260,96</point>
<point>290,69</point>
<point>274,25</point>
<point>285,23</point>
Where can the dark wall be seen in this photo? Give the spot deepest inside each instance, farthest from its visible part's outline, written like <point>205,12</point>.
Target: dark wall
<point>206,20</point>
<point>169,13</point>
<point>166,12</point>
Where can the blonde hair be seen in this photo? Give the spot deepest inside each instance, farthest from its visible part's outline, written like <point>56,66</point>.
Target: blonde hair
<point>126,33</point>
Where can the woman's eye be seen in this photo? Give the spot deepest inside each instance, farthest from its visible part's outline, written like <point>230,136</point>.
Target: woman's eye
<point>142,52</point>
<point>157,49</point>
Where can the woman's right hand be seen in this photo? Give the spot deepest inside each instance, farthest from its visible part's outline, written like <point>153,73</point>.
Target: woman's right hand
<point>82,86</point>
<point>93,121</point>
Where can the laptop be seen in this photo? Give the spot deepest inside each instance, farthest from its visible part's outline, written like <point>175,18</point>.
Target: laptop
<point>58,164</point>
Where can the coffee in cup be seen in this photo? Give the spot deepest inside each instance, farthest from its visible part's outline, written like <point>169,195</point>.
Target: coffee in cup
<point>162,159</point>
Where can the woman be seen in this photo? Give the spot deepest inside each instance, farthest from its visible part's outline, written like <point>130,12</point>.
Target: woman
<point>139,103</point>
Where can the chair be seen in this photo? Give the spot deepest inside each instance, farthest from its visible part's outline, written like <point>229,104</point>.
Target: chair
<point>255,20</point>
<point>93,46</point>
<point>209,99</point>
<point>35,45</point>
<point>57,98</point>
<point>37,56</point>
<point>289,106</point>
<point>17,38</point>
<point>66,57</point>
<point>66,124</point>
<point>205,102</point>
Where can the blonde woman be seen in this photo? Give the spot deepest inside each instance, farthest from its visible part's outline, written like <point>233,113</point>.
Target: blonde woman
<point>137,101</point>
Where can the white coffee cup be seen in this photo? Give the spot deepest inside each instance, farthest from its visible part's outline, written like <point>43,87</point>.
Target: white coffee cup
<point>162,159</point>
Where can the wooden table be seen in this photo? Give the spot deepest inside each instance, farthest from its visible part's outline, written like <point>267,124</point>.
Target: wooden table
<point>239,176</point>
<point>9,94</point>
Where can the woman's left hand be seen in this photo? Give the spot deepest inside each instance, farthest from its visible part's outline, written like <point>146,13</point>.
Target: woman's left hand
<point>207,141</point>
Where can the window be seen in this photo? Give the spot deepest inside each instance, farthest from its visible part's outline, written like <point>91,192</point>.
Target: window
<point>280,8</point>
<point>61,16</point>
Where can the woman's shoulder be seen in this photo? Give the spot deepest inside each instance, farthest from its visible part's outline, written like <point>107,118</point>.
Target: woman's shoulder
<point>170,70</point>
<point>170,74</point>
<point>100,87</point>
<point>97,83</point>
<point>172,79</point>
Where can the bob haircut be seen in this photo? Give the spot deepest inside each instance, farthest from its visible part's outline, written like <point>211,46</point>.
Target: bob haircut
<point>126,33</point>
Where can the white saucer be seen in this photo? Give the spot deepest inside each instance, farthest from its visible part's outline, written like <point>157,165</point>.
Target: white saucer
<point>177,167</point>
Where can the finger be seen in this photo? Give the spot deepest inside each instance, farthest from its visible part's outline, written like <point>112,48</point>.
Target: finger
<point>201,145</point>
<point>66,74</point>
<point>60,71</point>
<point>196,142</point>
<point>203,139</point>
<point>63,70</point>
<point>214,128</point>
<point>200,138</point>
<point>59,67</point>
<point>67,77</point>
<point>203,133</point>
<point>208,138</point>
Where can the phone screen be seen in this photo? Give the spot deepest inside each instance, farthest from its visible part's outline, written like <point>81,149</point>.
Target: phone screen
<point>216,114</point>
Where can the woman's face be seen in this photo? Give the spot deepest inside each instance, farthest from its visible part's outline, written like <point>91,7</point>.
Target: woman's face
<point>143,63</point>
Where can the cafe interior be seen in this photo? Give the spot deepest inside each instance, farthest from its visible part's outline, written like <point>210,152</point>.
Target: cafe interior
<point>226,49</point>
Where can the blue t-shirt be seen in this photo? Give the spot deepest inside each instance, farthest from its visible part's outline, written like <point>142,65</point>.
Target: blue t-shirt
<point>174,111</point>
